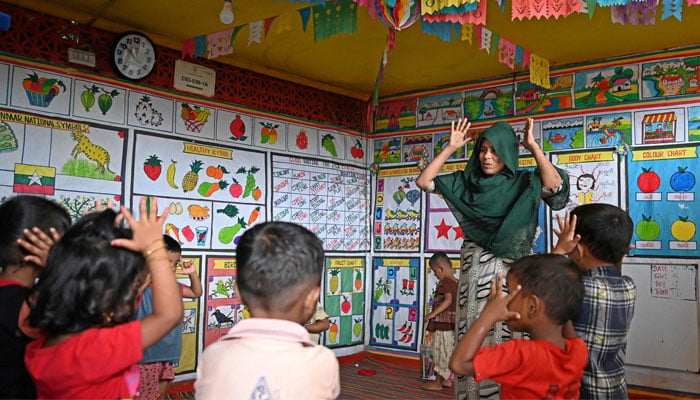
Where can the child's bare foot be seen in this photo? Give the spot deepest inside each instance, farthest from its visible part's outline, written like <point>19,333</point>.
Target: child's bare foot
<point>447,383</point>
<point>433,385</point>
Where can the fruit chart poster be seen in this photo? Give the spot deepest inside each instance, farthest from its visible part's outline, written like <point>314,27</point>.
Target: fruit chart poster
<point>395,315</point>
<point>223,307</point>
<point>431,283</point>
<point>397,215</point>
<point>594,177</point>
<point>330,199</point>
<point>214,193</point>
<point>190,324</point>
<point>74,163</point>
<point>344,301</point>
<point>663,202</point>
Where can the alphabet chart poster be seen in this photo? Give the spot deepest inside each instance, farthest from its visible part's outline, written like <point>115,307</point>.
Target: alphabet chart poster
<point>397,223</point>
<point>395,290</point>
<point>190,322</point>
<point>431,283</point>
<point>344,301</point>
<point>663,203</point>
<point>330,199</point>
<point>223,307</point>
<point>594,177</point>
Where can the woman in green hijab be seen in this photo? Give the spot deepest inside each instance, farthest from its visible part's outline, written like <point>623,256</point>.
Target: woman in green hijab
<point>496,206</point>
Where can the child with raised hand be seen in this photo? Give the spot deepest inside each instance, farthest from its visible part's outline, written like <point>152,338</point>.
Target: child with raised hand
<point>85,300</point>
<point>441,320</point>
<point>546,293</point>
<point>31,224</point>
<point>279,268</point>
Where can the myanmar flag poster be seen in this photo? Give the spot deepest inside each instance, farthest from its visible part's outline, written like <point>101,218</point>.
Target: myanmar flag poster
<point>34,179</point>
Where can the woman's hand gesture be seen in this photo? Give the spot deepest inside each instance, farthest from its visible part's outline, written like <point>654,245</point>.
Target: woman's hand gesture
<point>529,141</point>
<point>460,133</point>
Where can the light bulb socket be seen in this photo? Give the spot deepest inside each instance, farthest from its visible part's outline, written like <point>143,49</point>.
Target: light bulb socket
<point>226,14</point>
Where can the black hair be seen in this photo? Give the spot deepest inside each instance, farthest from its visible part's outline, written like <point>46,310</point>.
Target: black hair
<point>25,212</point>
<point>172,244</point>
<point>554,279</point>
<point>605,229</point>
<point>87,282</point>
<point>274,260</point>
<point>440,257</point>
<point>586,175</point>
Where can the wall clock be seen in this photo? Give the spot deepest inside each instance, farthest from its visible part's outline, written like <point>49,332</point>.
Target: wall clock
<point>133,55</point>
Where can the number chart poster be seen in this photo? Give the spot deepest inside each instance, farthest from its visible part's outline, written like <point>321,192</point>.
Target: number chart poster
<point>213,193</point>
<point>344,301</point>
<point>663,202</point>
<point>395,313</point>
<point>397,223</point>
<point>431,283</point>
<point>74,163</point>
<point>330,199</point>
<point>223,307</point>
<point>190,331</point>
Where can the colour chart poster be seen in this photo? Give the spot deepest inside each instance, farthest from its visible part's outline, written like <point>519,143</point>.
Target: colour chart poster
<point>395,315</point>
<point>223,307</point>
<point>190,323</point>
<point>344,301</point>
<point>330,199</point>
<point>663,202</point>
<point>397,223</point>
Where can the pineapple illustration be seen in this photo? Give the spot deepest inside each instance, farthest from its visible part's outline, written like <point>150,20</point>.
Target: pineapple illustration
<point>334,283</point>
<point>189,181</point>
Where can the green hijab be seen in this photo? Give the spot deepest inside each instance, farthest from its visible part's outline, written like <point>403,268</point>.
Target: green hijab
<point>498,212</point>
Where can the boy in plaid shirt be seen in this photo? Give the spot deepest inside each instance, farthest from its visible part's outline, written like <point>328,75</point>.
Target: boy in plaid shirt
<point>596,237</point>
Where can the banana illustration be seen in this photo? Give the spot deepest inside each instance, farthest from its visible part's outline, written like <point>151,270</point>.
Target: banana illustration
<point>203,115</point>
<point>171,174</point>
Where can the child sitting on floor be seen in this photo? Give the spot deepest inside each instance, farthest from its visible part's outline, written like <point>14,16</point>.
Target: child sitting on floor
<point>279,268</point>
<point>545,294</point>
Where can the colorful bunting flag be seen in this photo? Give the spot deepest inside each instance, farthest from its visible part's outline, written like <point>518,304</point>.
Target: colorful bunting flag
<point>188,48</point>
<point>334,18</point>
<point>267,24</point>
<point>506,53</point>
<point>200,46</point>
<point>635,13</point>
<point>430,7</point>
<point>305,13</point>
<point>467,33</point>
<point>528,9</point>
<point>235,33</point>
<point>672,8</point>
<point>370,6</point>
<point>256,30</point>
<point>485,43</point>
<point>539,71</point>
<point>284,23</point>
<point>34,179</point>
<point>693,2</point>
<point>477,17</point>
<point>443,30</point>
<point>219,44</point>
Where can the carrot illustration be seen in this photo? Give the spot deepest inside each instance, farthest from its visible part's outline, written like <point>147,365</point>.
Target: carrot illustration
<point>253,215</point>
<point>358,280</point>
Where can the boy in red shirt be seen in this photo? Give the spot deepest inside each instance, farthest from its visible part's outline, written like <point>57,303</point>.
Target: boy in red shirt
<point>546,292</point>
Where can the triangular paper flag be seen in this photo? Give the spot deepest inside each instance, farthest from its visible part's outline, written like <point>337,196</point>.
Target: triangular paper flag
<point>305,13</point>
<point>200,46</point>
<point>284,23</point>
<point>495,38</point>
<point>255,34</point>
<point>235,33</point>
<point>188,48</point>
<point>268,23</point>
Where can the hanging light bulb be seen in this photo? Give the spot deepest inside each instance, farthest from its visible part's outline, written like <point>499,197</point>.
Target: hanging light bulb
<point>226,14</point>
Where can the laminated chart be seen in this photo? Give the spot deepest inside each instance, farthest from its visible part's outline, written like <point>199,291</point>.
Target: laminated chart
<point>395,316</point>
<point>344,301</point>
<point>663,203</point>
<point>328,198</point>
<point>190,320</point>
<point>223,307</point>
<point>397,223</point>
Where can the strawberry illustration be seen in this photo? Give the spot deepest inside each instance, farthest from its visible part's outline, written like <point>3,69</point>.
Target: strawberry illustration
<point>152,167</point>
<point>302,140</point>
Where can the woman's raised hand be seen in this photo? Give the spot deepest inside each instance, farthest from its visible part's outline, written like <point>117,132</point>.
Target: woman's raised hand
<point>460,133</point>
<point>529,141</point>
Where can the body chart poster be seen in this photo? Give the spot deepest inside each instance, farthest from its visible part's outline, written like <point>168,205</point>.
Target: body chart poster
<point>344,301</point>
<point>431,283</point>
<point>223,307</point>
<point>663,202</point>
<point>397,216</point>
<point>395,316</point>
<point>214,193</point>
<point>190,322</point>
<point>330,199</point>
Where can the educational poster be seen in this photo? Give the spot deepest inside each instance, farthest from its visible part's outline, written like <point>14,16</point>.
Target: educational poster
<point>79,203</point>
<point>344,301</point>
<point>663,203</point>
<point>42,91</point>
<point>539,244</point>
<point>214,193</point>
<point>395,315</point>
<point>531,98</point>
<point>417,149</point>
<point>473,134</point>
<point>606,86</point>
<point>608,130</point>
<point>194,119</point>
<point>563,134</point>
<point>519,128</point>
<point>234,127</point>
<point>594,177</point>
<point>100,102</point>
<point>269,133</point>
<point>355,150</point>
<point>670,77</point>
<point>223,307</point>
<point>439,109</point>
<point>442,231</point>
<point>332,145</point>
<point>397,222</point>
<point>330,199</point>
<point>190,323</point>
<point>4,79</point>
<point>491,102</point>
<point>146,110</point>
<point>431,283</point>
<point>302,140</point>
<point>694,124</point>
<point>60,158</point>
<point>387,151</point>
<point>674,282</point>
<point>396,115</point>
<point>664,126</point>
<point>441,140</point>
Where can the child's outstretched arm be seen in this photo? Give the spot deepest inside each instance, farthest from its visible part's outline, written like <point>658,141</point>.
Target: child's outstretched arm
<point>148,239</point>
<point>496,309</point>
<point>195,289</point>
<point>442,307</point>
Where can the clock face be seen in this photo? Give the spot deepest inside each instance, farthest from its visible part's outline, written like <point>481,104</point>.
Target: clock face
<point>134,55</point>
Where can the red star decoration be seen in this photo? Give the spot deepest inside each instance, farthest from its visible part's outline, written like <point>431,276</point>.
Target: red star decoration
<point>443,229</point>
<point>458,232</point>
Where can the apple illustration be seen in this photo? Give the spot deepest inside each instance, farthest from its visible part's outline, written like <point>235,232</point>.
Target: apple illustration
<point>648,181</point>
<point>682,229</point>
<point>682,180</point>
<point>648,229</point>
